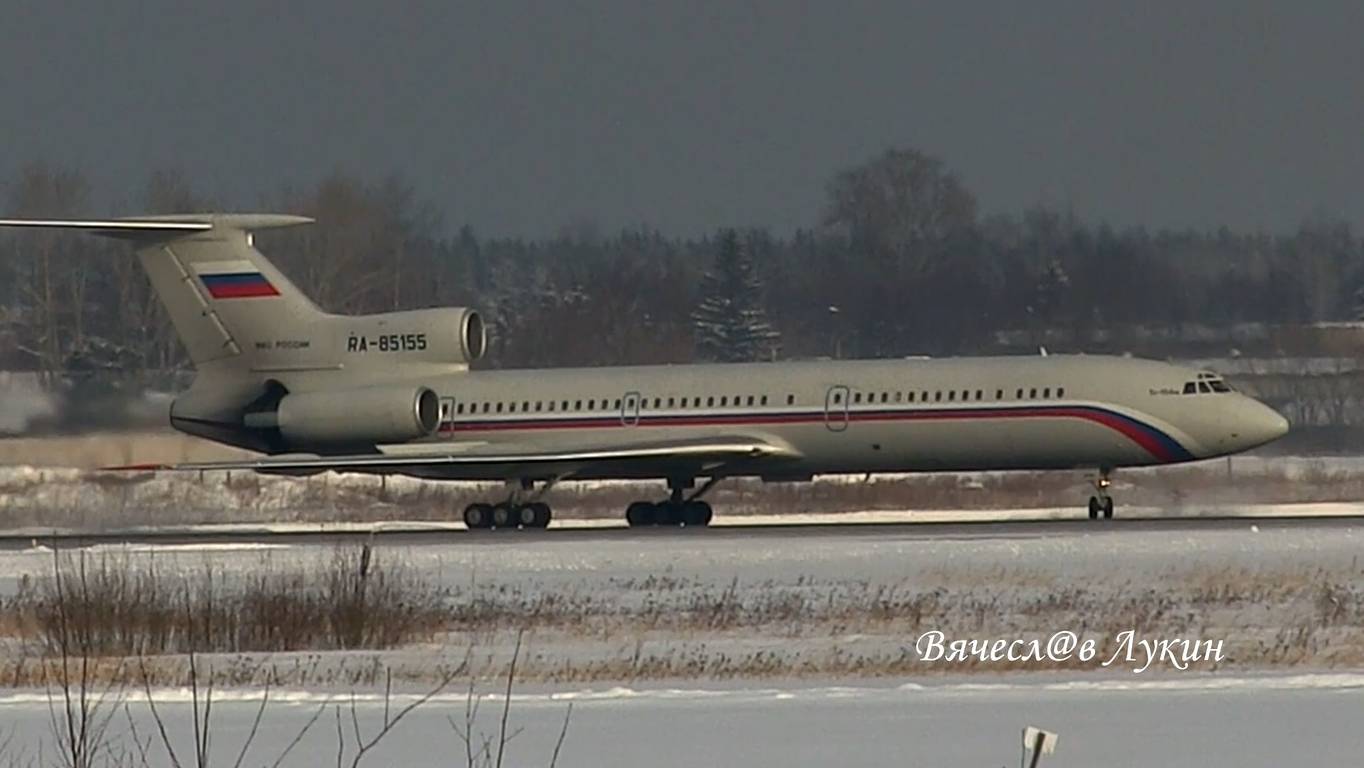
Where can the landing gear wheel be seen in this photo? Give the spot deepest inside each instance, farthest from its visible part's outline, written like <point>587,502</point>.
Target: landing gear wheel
<point>668,513</point>
<point>696,514</point>
<point>477,516</point>
<point>1108,508</point>
<point>539,515</point>
<point>525,516</point>
<point>1094,507</point>
<point>641,513</point>
<point>504,515</point>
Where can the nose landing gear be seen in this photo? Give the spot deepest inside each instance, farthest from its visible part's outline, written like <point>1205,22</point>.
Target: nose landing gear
<point>1101,503</point>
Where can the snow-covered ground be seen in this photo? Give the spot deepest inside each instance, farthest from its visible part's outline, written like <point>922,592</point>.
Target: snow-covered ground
<point>49,498</point>
<point>1198,721</point>
<point>847,602</point>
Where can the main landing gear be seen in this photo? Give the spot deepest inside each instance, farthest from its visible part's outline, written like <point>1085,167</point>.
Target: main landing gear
<point>1101,503</point>
<point>512,513</point>
<point>507,514</point>
<point>676,510</point>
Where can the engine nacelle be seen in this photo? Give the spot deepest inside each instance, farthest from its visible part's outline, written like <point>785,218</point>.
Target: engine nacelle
<point>438,335</point>
<point>366,415</point>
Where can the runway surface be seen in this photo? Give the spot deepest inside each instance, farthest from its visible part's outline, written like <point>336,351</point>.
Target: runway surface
<point>410,534</point>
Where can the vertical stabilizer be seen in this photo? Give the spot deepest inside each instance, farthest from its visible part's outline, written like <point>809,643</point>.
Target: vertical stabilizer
<point>228,303</point>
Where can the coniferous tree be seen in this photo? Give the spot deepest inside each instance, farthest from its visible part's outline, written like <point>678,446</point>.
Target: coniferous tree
<point>1357,305</point>
<point>730,323</point>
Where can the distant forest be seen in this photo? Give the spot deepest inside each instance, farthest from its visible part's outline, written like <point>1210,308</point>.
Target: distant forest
<point>901,262</point>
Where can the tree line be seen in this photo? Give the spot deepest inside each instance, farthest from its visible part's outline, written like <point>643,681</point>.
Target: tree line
<point>900,262</point>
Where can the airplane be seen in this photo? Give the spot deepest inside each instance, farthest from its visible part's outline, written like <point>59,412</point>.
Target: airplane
<point>394,393</point>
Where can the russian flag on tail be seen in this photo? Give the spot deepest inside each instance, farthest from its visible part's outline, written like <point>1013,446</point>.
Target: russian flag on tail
<point>234,280</point>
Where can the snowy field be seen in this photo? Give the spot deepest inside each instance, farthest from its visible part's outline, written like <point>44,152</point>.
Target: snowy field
<point>845,603</point>
<point>36,498</point>
<point>1200,722</point>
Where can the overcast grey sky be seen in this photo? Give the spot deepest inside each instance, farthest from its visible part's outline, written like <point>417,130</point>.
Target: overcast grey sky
<point>519,117</point>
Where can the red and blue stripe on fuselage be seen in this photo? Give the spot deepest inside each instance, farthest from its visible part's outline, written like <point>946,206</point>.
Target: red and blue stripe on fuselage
<point>1159,444</point>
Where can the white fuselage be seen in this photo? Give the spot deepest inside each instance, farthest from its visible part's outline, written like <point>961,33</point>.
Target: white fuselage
<point>1045,412</point>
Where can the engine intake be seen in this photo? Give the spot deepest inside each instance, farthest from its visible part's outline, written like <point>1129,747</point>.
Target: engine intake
<point>367,415</point>
<point>438,335</point>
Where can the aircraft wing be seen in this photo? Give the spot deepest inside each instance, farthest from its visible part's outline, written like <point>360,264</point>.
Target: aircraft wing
<point>458,460</point>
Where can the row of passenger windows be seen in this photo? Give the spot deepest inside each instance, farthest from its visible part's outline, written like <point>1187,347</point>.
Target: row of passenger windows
<point>592,404</point>
<point>950,396</point>
<point>725,401</point>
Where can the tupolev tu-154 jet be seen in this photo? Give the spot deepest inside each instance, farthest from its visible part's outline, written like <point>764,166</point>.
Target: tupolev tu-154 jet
<point>393,393</point>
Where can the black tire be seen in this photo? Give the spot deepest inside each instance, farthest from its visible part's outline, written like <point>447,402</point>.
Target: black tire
<point>503,516</point>
<point>641,514</point>
<point>696,514</point>
<point>667,513</point>
<point>541,516</point>
<point>1094,508</point>
<point>477,516</point>
<point>525,515</point>
<point>1108,508</point>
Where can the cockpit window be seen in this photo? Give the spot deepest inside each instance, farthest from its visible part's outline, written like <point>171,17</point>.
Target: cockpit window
<point>1206,384</point>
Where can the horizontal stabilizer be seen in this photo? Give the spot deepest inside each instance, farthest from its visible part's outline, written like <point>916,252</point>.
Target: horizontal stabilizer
<point>159,227</point>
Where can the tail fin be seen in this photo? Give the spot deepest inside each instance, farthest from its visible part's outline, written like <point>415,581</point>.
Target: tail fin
<point>226,300</point>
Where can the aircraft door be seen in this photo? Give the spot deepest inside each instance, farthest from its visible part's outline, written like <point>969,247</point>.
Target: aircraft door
<point>836,408</point>
<point>629,409</point>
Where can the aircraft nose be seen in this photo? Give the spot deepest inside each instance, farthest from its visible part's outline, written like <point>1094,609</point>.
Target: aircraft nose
<point>1260,424</point>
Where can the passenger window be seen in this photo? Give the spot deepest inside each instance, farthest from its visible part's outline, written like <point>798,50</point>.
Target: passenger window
<point>565,405</point>
<point>710,401</point>
<point>1046,393</point>
<point>1060,391</point>
<point>790,399</point>
<point>723,400</point>
<point>980,395</point>
<point>551,406</point>
<point>999,394</point>
<point>671,401</point>
<point>577,405</point>
<point>1032,393</point>
<point>909,398</point>
<point>764,400</point>
<point>1018,395</point>
<point>838,398</point>
<point>499,407</point>
<point>899,397</point>
<point>952,395</point>
<point>459,408</point>
<point>937,397</point>
<point>857,397</point>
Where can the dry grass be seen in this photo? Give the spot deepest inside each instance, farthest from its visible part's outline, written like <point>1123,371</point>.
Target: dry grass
<point>274,627</point>
<point>120,607</point>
